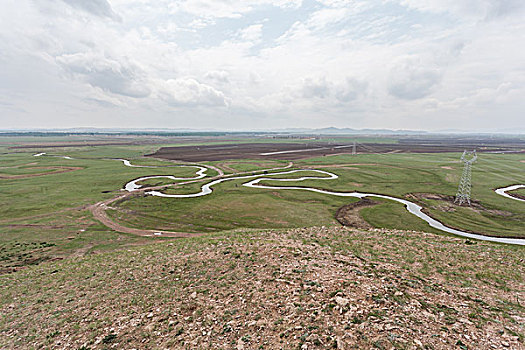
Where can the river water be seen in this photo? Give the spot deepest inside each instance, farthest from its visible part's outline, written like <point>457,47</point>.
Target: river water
<point>412,208</point>
<point>503,192</point>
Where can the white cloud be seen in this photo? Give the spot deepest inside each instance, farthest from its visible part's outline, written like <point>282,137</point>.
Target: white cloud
<point>252,33</point>
<point>219,76</point>
<point>106,73</point>
<point>189,92</point>
<point>228,8</point>
<point>472,8</point>
<point>351,90</point>
<point>411,80</point>
<point>96,7</point>
<point>347,62</point>
<point>318,88</point>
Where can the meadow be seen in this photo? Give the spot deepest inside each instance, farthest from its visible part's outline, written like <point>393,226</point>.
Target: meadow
<point>46,215</point>
<point>416,177</point>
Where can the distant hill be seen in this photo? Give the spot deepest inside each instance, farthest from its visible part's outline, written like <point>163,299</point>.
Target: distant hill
<point>348,131</point>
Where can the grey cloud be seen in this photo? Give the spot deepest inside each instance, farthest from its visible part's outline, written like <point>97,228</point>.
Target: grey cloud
<point>106,73</point>
<point>219,76</point>
<point>500,8</point>
<point>411,81</point>
<point>100,8</point>
<point>351,90</point>
<point>347,91</point>
<point>316,88</point>
<point>489,9</point>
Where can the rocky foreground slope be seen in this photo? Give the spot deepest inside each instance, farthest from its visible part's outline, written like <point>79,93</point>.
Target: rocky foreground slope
<point>312,288</point>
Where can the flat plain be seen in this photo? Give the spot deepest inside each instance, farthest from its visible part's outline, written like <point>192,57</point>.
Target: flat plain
<point>50,236</point>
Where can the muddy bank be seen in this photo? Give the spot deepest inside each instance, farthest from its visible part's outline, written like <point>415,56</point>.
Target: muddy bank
<point>348,215</point>
<point>446,203</point>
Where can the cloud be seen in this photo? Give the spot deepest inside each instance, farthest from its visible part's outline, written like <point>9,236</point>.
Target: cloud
<point>219,76</point>
<point>488,9</point>
<point>351,90</point>
<point>110,75</point>
<point>318,88</point>
<point>189,92</point>
<point>229,8</point>
<point>100,8</point>
<point>347,60</point>
<point>501,8</point>
<point>327,16</point>
<point>411,80</point>
<point>252,33</point>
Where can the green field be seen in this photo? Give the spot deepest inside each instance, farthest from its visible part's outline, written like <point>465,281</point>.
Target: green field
<point>396,175</point>
<point>46,216</point>
<point>519,192</point>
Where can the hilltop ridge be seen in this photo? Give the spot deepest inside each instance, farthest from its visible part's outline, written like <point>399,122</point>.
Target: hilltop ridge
<point>305,288</point>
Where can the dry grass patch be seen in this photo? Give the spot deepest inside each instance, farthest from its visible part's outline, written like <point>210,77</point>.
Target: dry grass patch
<point>315,288</point>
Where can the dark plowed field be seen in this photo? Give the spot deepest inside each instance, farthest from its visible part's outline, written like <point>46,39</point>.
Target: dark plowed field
<point>292,151</point>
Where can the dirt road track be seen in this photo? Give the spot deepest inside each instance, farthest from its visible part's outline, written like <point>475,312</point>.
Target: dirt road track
<point>99,212</point>
<point>57,170</point>
<point>99,209</point>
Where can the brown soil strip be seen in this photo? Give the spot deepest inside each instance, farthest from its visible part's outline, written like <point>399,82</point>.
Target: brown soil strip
<point>83,144</point>
<point>346,164</point>
<point>348,215</point>
<point>292,151</point>
<point>448,204</point>
<point>515,195</point>
<point>58,170</point>
<point>99,209</point>
<point>51,227</point>
<point>226,167</point>
<point>99,212</point>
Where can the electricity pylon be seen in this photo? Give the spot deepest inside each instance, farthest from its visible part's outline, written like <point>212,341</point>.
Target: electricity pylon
<point>463,194</point>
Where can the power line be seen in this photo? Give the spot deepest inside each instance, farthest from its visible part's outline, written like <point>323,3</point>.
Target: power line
<point>465,185</point>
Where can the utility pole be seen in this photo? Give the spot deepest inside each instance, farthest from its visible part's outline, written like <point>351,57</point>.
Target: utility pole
<point>353,149</point>
<point>465,184</point>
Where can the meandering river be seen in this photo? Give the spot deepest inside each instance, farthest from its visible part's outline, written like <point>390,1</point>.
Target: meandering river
<point>503,192</point>
<point>412,208</point>
<point>206,189</point>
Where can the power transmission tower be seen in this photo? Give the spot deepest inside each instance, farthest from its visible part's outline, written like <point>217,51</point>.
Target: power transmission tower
<point>463,194</point>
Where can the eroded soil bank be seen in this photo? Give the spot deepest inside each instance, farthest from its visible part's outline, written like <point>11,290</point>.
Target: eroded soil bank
<point>348,215</point>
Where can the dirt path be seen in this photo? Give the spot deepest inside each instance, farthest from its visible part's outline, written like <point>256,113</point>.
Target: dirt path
<point>99,212</point>
<point>58,170</point>
<point>99,209</point>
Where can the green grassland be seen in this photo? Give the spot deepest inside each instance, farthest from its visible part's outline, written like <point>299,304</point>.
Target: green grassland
<point>396,175</point>
<point>247,165</point>
<point>519,191</point>
<point>25,170</point>
<point>230,207</point>
<point>98,179</point>
<point>43,216</point>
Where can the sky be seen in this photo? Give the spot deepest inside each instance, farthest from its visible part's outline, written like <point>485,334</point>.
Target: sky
<point>263,64</point>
